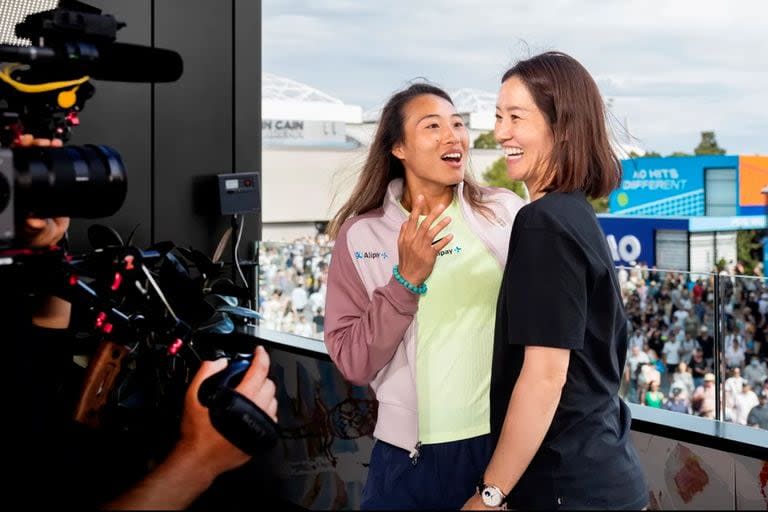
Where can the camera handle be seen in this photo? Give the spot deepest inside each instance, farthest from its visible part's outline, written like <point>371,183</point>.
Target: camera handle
<point>237,418</point>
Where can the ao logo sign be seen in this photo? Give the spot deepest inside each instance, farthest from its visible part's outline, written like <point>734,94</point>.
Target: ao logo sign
<point>628,249</point>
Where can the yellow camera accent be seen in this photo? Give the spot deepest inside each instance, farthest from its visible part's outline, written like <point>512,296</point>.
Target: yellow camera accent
<point>5,76</point>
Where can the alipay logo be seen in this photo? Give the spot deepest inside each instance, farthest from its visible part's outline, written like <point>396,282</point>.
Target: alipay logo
<point>450,251</point>
<point>366,255</point>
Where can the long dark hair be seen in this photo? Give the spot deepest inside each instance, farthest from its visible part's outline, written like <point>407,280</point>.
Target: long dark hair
<point>381,166</point>
<point>582,157</point>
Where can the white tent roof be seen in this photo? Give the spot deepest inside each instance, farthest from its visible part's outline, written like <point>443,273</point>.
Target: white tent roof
<point>286,99</point>
<point>477,104</point>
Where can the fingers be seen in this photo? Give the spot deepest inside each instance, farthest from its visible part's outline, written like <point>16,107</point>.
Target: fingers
<point>257,386</point>
<point>266,400</point>
<point>37,224</point>
<point>206,369</point>
<point>271,409</point>
<point>427,224</point>
<point>411,227</point>
<point>28,139</point>
<point>412,223</point>
<point>439,246</point>
<point>45,232</point>
<point>437,228</point>
<point>256,374</point>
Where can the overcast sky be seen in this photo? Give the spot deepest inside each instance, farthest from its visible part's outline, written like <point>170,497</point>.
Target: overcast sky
<point>672,68</point>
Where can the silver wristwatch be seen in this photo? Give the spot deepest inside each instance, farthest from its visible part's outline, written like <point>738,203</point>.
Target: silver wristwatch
<point>491,495</point>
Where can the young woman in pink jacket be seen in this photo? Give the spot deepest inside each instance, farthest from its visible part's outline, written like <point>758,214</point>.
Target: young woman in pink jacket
<point>412,288</point>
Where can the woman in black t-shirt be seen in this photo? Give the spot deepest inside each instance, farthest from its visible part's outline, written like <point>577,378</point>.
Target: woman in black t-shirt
<point>562,432</point>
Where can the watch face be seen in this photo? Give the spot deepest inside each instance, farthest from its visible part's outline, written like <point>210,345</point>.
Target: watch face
<point>491,496</point>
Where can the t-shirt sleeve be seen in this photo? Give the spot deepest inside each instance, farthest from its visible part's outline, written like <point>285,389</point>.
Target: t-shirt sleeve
<point>544,295</point>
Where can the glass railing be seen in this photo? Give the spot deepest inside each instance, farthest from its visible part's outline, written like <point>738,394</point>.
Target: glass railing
<point>292,284</point>
<point>690,334</point>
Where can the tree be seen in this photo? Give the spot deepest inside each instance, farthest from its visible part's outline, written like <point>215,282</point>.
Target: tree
<point>496,176</point>
<point>708,145</point>
<point>599,204</point>
<point>680,153</point>
<point>485,141</point>
<point>749,249</point>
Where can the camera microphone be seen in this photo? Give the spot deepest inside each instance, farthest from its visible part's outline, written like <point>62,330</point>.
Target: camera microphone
<point>117,62</point>
<point>121,62</point>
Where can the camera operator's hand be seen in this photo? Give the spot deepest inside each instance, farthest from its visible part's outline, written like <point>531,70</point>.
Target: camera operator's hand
<point>201,454</point>
<point>52,312</point>
<point>196,428</point>
<point>44,232</point>
<point>30,140</point>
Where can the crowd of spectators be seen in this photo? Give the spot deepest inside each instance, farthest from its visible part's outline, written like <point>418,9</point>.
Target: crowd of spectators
<point>292,283</point>
<point>671,352</point>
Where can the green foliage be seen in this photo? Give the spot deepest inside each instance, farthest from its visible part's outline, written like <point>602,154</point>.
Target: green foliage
<point>599,204</point>
<point>708,145</point>
<point>496,176</point>
<point>680,153</point>
<point>485,141</point>
<point>749,249</point>
<point>721,264</point>
<point>647,154</point>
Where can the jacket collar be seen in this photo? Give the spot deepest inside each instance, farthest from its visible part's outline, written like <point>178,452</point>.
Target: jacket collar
<point>392,208</point>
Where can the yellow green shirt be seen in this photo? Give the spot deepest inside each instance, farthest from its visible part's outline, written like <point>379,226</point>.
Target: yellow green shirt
<point>455,324</point>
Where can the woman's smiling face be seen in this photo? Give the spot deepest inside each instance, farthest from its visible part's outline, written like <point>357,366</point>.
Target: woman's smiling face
<point>523,132</point>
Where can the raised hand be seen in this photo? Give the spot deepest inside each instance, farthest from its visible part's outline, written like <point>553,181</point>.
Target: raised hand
<point>417,252</point>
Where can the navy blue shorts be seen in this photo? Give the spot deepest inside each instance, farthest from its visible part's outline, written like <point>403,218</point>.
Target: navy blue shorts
<point>444,476</point>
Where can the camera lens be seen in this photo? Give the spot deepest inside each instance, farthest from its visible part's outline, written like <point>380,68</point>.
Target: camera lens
<point>72,181</point>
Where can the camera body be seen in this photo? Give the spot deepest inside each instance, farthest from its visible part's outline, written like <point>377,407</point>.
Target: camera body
<point>43,88</point>
<point>167,307</point>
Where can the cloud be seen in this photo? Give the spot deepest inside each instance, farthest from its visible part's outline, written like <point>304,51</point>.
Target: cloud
<point>673,68</point>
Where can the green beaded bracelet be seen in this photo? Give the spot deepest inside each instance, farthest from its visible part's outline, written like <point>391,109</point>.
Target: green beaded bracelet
<point>419,290</point>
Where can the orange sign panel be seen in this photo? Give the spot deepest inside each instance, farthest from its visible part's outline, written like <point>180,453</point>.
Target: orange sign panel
<point>753,178</point>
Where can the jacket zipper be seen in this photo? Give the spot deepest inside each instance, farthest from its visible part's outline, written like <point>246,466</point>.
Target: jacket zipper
<point>415,453</point>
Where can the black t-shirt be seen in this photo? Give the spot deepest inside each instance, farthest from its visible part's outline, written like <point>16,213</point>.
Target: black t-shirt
<point>707,346</point>
<point>698,368</point>
<point>560,290</point>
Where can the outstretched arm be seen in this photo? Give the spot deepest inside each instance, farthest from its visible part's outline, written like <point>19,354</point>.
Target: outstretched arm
<point>202,453</point>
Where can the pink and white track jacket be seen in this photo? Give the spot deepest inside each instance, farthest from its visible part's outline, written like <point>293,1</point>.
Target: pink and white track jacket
<point>370,324</point>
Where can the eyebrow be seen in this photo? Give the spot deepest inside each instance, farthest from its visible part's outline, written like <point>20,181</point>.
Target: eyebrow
<point>436,115</point>
<point>510,109</point>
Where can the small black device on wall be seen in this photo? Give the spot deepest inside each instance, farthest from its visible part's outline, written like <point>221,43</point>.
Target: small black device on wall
<point>239,193</point>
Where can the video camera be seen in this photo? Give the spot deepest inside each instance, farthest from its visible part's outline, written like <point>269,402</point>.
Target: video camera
<point>43,88</point>
<point>153,314</point>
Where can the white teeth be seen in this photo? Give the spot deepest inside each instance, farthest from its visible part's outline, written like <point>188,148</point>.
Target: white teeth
<point>452,155</point>
<point>513,151</point>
